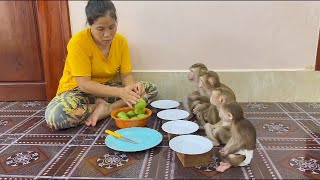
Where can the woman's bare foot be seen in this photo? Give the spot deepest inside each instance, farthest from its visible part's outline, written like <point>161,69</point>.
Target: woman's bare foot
<point>102,110</point>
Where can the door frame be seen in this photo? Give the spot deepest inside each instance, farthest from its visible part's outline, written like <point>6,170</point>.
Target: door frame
<point>317,66</point>
<point>54,32</point>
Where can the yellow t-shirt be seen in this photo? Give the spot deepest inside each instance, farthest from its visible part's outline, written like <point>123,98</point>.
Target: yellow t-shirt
<point>85,59</point>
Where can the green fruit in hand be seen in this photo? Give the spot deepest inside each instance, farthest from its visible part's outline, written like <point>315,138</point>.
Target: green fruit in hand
<point>141,115</point>
<point>130,114</point>
<point>141,104</point>
<point>121,113</point>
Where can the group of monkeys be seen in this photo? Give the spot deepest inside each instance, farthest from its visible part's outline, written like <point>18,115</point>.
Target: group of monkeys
<point>215,109</point>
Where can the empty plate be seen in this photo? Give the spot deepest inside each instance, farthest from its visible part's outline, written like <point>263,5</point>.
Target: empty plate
<point>146,138</point>
<point>190,144</point>
<point>165,104</point>
<point>180,127</point>
<point>173,114</point>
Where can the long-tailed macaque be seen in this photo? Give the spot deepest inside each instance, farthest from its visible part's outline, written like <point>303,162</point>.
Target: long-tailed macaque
<point>205,111</point>
<point>196,70</point>
<point>239,149</point>
<point>208,81</point>
<point>219,132</point>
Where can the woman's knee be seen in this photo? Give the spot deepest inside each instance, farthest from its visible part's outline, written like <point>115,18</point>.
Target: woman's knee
<point>59,115</point>
<point>55,118</point>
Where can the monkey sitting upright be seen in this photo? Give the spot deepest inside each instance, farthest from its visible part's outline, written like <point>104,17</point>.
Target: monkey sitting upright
<point>239,150</point>
<point>204,111</point>
<point>196,70</point>
<point>219,133</point>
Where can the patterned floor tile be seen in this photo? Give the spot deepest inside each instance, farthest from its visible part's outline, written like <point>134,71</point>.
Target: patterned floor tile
<point>289,143</point>
<point>311,126</point>
<point>21,159</point>
<point>278,128</point>
<point>4,105</point>
<point>36,139</point>
<point>109,162</point>
<point>309,107</point>
<point>65,162</point>
<point>315,116</point>
<point>267,115</point>
<point>205,171</point>
<point>300,116</point>
<point>296,164</point>
<point>7,123</point>
<point>43,128</point>
<point>26,125</point>
<point>260,107</point>
<point>32,105</point>
<point>83,140</point>
<point>104,162</point>
<point>40,113</point>
<point>17,113</point>
<point>289,107</point>
<point>261,167</point>
<point>9,139</point>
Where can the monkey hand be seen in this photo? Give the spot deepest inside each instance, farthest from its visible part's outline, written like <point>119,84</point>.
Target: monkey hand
<point>198,108</point>
<point>224,152</point>
<point>195,93</point>
<point>194,97</point>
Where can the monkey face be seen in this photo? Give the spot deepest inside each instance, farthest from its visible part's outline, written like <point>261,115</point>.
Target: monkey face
<point>201,82</point>
<point>225,116</point>
<point>214,99</point>
<point>191,75</point>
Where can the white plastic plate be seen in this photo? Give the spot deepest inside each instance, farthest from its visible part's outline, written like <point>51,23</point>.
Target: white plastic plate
<point>180,127</point>
<point>190,144</point>
<point>165,104</point>
<point>173,114</point>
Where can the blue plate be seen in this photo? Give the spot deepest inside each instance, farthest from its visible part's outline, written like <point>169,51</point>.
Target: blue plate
<point>146,137</point>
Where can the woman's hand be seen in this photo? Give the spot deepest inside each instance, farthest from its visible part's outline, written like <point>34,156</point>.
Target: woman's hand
<point>129,96</point>
<point>139,89</point>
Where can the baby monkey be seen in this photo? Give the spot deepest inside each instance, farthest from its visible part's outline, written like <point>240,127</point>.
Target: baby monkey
<point>219,132</point>
<point>196,70</point>
<point>239,149</point>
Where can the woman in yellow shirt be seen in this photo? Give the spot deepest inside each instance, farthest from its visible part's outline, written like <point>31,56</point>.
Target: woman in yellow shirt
<point>86,92</point>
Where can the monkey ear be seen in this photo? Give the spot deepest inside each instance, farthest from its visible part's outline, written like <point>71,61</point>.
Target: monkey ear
<point>230,116</point>
<point>212,81</point>
<point>221,100</point>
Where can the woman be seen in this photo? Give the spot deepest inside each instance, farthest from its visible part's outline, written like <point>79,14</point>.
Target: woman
<point>86,93</point>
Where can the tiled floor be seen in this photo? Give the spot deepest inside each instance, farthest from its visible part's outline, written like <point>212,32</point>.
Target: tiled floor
<point>288,146</point>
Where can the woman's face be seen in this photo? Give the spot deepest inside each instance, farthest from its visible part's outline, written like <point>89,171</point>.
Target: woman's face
<point>103,30</point>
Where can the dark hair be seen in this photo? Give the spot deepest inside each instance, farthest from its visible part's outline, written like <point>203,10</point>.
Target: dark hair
<point>96,9</point>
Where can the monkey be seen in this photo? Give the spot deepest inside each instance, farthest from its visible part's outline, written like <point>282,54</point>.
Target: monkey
<point>206,111</point>
<point>239,149</point>
<point>196,70</point>
<point>219,132</point>
<point>208,81</point>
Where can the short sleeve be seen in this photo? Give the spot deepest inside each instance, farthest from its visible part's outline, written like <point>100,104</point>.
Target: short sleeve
<point>78,60</point>
<point>125,66</point>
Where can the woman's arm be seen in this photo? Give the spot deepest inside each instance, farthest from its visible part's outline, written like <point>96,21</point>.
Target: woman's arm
<point>127,79</point>
<point>126,93</point>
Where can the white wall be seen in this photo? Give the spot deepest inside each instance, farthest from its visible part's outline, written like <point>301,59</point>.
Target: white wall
<point>172,35</point>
